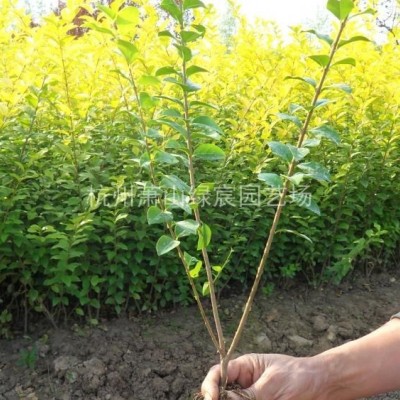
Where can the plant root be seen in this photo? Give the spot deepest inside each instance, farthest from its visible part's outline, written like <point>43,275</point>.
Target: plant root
<point>224,393</point>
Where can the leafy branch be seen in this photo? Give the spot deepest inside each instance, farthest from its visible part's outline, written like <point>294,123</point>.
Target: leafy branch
<point>160,214</point>
<point>196,134</point>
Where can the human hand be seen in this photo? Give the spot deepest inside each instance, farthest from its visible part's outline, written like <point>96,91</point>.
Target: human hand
<point>269,377</point>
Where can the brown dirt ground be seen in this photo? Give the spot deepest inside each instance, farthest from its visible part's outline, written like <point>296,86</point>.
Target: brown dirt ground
<point>165,356</point>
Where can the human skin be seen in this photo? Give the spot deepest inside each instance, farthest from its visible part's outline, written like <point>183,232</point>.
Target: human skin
<point>360,368</point>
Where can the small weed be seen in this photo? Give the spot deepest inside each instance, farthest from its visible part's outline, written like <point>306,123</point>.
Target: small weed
<point>28,357</point>
<point>5,321</point>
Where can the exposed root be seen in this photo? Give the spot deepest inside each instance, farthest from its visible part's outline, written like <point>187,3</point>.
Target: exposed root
<point>238,391</point>
<point>224,393</point>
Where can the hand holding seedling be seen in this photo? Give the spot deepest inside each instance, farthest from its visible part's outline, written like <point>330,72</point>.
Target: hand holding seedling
<point>357,369</point>
<point>267,376</point>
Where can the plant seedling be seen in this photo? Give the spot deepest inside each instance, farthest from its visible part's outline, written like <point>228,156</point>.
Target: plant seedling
<point>176,130</point>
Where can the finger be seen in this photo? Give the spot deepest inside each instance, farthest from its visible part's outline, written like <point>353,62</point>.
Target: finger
<point>210,386</point>
<point>211,383</point>
<point>241,371</point>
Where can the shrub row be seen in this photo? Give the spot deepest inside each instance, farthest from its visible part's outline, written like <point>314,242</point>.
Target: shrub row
<point>73,231</point>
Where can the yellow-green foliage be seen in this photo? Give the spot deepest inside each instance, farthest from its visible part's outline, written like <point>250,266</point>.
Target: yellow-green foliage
<point>69,141</point>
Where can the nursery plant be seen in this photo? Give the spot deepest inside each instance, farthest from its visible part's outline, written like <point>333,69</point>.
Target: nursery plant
<point>141,112</point>
<point>74,237</point>
<point>179,136</point>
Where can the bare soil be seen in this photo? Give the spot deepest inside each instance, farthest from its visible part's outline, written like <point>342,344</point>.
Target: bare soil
<point>165,356</point>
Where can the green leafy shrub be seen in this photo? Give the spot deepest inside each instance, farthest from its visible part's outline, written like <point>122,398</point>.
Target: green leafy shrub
<point>74,168</point>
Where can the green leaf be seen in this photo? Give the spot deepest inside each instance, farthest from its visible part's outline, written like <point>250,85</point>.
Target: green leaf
<point>162,157</point>
<point>293,108</point>
<point>178,200</point>
<point>309,81</point>
<point>166,34</point>
<point>108,11</point>
<point>295,233</point>
<point>322,102</point>
<point>79,311</point>
<point>119,72</point>
<point>172,9</point>
<point>281,150</point>
<point>291,118</point>
<point>312,142</point>
<point>144,160</point>
<point>165,244</point>
<point>321,36</point>
<point>175,183</point>
<point>321,59</point>
<point>340,86</point>
<point>172,99</point>
<point>206,289</point>
<point>345,42</point>
<point>184,52</point>
<point>120,217</point>
<point>189,4</point>
<point>175,126</point>
<point>208,133</point>
<point>205,233</point>
<point>147,102</point>
<point>194,273</point>
<point>153,134</point>
<point>166,71</point>
<point>200,28</point>
<point>128,16</point>
<point>346,61</point>
<point>189,36</point>
<point>369,11</point>
<point>298,153</point>
<point>148,80</point>
<point>341,9</point>
<point>204,188</point>
<point>174,144</point>
<point>327,132</point>
<point>95,280</point>
<point>189,260</point>
<point>197,103</point>
<point>297,178</point>
<point>156,216</point>
<point>306,201</point>
<point>128,50</point>
<point>316,171</point>
<point>98,28</point>
<point>204,122</point>
<point>186,228</point>
<point>186,87</point>
<point>209,152</point>
<point>194,69</point>
<point>171,112</point>
<point>272,180</point>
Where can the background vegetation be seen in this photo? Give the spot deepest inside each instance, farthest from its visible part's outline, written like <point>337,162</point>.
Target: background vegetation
<point>73,230</point>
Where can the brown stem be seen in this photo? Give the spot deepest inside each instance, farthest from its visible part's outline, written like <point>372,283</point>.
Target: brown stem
<point>196,296</point>
<point>278,211</point>
<point>207,264</point>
